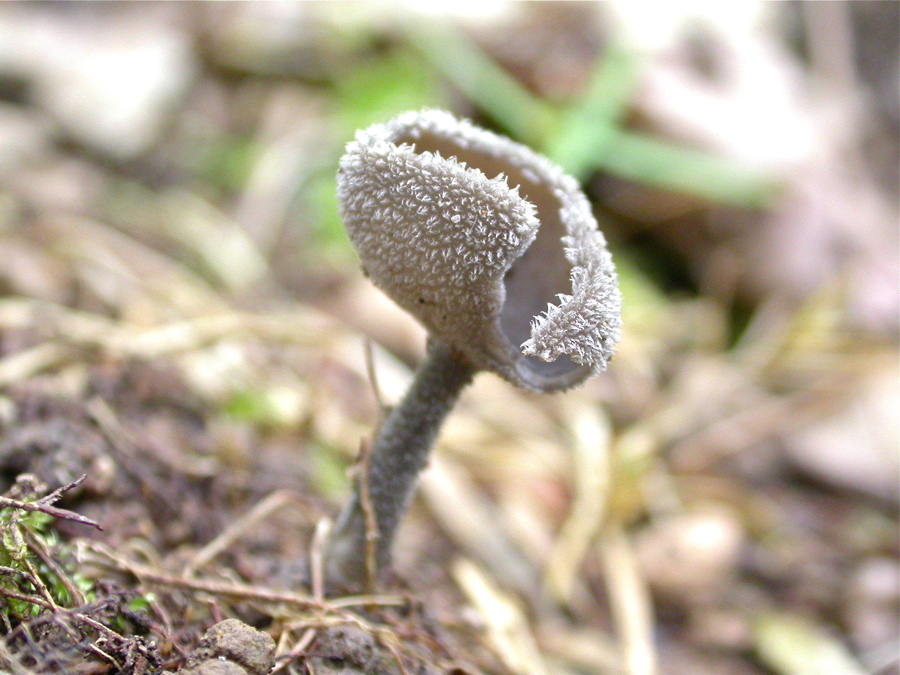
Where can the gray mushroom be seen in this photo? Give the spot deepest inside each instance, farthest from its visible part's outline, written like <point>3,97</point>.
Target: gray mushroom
<point>476,236</point>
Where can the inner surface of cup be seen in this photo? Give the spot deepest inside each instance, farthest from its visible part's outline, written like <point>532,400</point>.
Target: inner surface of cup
<point>542,272</point>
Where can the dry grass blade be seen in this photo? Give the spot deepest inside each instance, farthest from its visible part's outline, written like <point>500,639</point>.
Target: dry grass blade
<point>26,597</point>
<point>20,366</point>
<point>99,253</point>
<point>224,248</point>
<point>372,374</point>
<point>303,325</point>
<point>317,558</point>
<point>39,584</point>
<point>365,499</point>
<point>285,657</point>
<point>584,649</point>
<point>230,535</point>
<point>751,425</point>
<point>474,523</point>
<point>631,605</point>
<point>591,433</point>
<point>507,628</point>
<point>45,505</point>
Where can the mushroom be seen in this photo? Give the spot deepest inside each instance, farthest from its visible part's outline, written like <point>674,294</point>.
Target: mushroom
<point>475,236</point>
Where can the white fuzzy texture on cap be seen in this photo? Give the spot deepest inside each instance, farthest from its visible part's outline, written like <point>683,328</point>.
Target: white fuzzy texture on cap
<point>586,324</point>
<point>446,218</point>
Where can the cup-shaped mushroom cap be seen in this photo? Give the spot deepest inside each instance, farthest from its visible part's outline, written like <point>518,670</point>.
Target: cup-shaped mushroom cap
<point>477,236</point>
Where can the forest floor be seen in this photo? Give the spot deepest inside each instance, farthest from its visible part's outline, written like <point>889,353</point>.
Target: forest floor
<point>190,361</point>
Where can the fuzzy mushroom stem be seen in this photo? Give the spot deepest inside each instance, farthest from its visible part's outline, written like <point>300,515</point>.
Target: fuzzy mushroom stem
<point>398,455</point>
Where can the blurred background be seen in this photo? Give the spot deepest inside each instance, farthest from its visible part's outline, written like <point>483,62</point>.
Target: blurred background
<point>723,500</point>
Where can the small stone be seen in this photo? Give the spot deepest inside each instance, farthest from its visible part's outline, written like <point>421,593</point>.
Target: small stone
<point>24,138</point>
<point>727,630</point>
<point>110,81</point>
<point>690,553</point>
<point>215,667</point>
<point>232,643</point>
<point>870,425</point>
<point>348,650</point>
<point>876,581</point>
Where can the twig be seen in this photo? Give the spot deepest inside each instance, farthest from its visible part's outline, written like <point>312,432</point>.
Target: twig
<point>238,591</point>
<point>365,497</point>
<point>39,584</point>
<point>61,618</point>
<point>21,573</point>
<point>373,382</point>
<point>38,547</point>
<point>232,533</point>
<point>317,559</point>
<point>99,627</point>
<point>45,505</point>
<point>106,657</point>
<point>24,597</point>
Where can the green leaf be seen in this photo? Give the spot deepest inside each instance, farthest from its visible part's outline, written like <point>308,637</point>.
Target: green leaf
<point>379,88</point>
<point>586,127</point>
<point>493,90</point>
<point>644,159</point>
<point>588,135</point>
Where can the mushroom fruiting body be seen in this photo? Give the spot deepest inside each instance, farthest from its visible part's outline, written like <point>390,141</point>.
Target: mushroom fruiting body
<point>476,236</point>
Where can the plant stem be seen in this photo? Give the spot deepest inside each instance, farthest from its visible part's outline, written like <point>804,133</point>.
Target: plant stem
<point>399,453</point>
